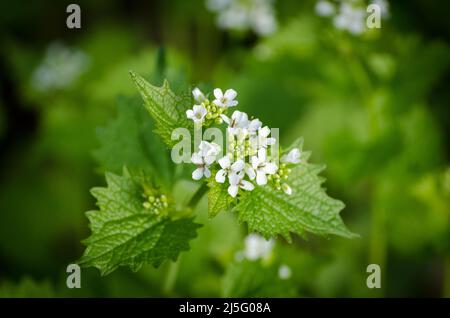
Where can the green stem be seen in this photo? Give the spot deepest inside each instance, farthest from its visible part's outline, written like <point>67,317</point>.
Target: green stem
<point>172,271</point>
<point>198,195</point>
<point>171,276</point>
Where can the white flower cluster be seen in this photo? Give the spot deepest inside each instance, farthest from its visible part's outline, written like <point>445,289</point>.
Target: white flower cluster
<point>349,15</point>
<point>60,68</point>
<point>246,158</point>
<point>240,15</point>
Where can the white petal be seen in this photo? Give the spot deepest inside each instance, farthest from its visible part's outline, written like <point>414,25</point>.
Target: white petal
<point>189,113</point>
<point>225,118</point>
<point>219,103</point>
<point>286,188</point>
<point>197,174</point>
<point>197,158</point>
<point>255,162</point>
<point>233,190</point>
<point>198,95</point>
<point>250,171</point>
<point>200,110</point>
<point>247,185</point>
<point>270,168</point>
<point>262,155</point>
<point>243,121</point>
<point>234,179</point>
<point>254,125</point>
<point>204,146</point>
<point>237,166</point>
<point>230,94</point>
<point>232,103</point>
<point>225,162</point>
<point>209,160</point>
<point>261,178</point>
<point>216,148</point>
<point>218,93</point>
<point>206,172</point>
<point>236,114</point>
<point>220,176</point>
<point>233,131</point>
<point>264,132</point>
<point>271,141</point>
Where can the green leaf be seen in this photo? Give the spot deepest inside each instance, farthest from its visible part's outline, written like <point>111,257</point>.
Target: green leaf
<point>124,233</point>
<point>218,198</point>
<point>167,109</point>
<point>308,209</point>
<point>128,140</point>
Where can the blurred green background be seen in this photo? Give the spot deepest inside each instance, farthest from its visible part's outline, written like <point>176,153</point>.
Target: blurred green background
<point>374,107</point>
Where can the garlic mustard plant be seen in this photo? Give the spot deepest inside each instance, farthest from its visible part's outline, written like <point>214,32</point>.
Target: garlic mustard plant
<point>274,190</point>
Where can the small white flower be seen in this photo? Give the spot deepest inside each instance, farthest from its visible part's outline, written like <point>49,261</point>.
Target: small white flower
<point>284,272</point>
<point>238,121</point>
<point>253,126</point>
<point>324,8</point>
<point>209,148</point>
<point>198,95</point>
<point>197,114</point>
<point>236,181</point>
<point>292,157</point>
<point>384,7</point>
<point>263,140</point>
<point>350,18</point>
<point>225,100</point>
<point>286,188</point>
<point>257,247</point>
<point>262,167</point>
<point>263,21</point>
<point>60,68</point>
<point>203,159</point>
<point>229,168</point>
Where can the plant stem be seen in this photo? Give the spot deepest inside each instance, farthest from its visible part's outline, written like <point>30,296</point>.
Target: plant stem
<point>198,195</point>
<point>171,276</point>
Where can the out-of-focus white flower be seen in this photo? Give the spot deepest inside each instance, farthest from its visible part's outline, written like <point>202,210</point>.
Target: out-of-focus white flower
<point>197,114</point>
<point>241,15</point>
<point>237,181</point>
<point>325,8</point>
<point>292,157</point>
<point>60,68</point>
<point>198,95</point>
<point>257,247</point>
<point>263,20</point>
<point>262,167</point>
<point>217,5</point>
<point>284,272</point>
<point>203,159</point>
<point>350,18</point>
<point>225,100</point>
<point>384,7</point>
<point>234,17</point>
